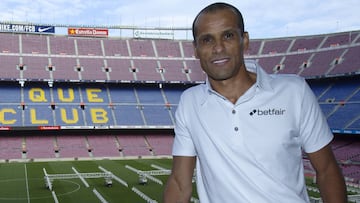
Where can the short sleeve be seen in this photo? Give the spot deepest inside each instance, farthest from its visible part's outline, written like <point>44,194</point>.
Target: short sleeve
<point>314,130</point>
<point>183,143</point>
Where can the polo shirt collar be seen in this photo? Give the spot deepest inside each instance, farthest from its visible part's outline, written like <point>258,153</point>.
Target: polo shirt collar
<point>263,80</point>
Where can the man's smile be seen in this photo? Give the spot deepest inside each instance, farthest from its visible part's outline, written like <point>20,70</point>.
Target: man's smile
<point>220,61</point>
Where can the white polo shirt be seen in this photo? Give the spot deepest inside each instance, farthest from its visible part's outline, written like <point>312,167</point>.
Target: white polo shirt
<point>251,151</point>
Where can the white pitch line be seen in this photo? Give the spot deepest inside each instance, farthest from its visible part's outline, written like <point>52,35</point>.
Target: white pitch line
<point>143,195</point>
<point>114,176</point>
<point>27,184</point>
<point>99,196</point>
<point>81,178</point>
<point>158,167</point>
<point>54,196</point>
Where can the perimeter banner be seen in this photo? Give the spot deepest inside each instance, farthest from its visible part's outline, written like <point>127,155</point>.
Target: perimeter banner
<point>88,32</point>
<point>21,28</point>
<point>153,34</point>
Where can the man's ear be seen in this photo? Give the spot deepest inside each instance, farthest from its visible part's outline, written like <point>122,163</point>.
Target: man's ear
<point>246,41</point>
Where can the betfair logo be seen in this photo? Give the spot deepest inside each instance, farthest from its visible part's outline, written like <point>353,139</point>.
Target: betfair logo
<point>268,112</point>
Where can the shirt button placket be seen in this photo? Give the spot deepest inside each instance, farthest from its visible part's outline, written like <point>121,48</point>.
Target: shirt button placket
<point>236,129</point>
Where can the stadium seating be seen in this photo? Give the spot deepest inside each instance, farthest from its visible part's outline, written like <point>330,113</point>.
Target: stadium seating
<point>123,112</point>
<point>120,69</point>
<point>62,45</point>
<point>9,43</point>
<point>34,44</point>
<point>352,172</point>
<point>194,70</point>
<point>147,69</point>
<point>321,62</point>
<point>161,144</point>
<point>36,68</point>
<point>339,90</point>
<point>254,48</point>
<point>188,49</point>
<point>166,48</point>
<point>344,116</point>
<point>71,146</point>
<point>142,48</point>
<point>10,67</point>
<point>157,115</point>
<point>115,47</point>
<point>88,46</point>
<point>65,66</point>
<point>103,145</point>
<point>339,100</point>
<point>337,40</point>
<point>276,46</point>
<point>150,95</point>
<point>173,94</point>
<point>355,124</point>
<point>40,147</point>
<point>113,59</point>
<point>173,70</point>
<point>307,43</point>
<point>134,145</point>
<point>344,65</point>
<point>270,63</point>
<point>136,84</point>
<point>346,151</point>
<point>294,63</point>
<point>85,60</point>
<point>11,147</point>
<point>93,69</point>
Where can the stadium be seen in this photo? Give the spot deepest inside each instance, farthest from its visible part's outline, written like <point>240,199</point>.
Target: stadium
<point>86,117</point>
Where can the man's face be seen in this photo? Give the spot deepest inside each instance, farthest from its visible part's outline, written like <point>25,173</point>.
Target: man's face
<point>219,44</point>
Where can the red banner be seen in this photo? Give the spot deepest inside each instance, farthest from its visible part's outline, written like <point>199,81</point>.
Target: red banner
<point>5,128</point>
<point>88,32</point>
<point>49,127</point>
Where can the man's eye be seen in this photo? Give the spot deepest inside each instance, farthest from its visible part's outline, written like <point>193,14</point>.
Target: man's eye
<point>229,35</point>
<point>206,40</point>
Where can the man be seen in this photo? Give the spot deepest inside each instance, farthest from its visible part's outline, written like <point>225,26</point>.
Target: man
<point>245,130</point>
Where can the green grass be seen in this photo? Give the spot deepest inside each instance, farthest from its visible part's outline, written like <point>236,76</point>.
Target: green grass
<point>24,182</point>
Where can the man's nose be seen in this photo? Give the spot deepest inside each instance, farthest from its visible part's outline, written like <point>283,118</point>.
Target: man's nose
<point>218,46</point>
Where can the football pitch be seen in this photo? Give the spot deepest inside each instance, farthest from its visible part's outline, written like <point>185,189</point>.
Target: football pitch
<point>81,181</point>
<point>25,182</point>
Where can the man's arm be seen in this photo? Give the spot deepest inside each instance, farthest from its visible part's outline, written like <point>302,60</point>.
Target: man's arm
<point>328,176</point>
<point>178,188</point>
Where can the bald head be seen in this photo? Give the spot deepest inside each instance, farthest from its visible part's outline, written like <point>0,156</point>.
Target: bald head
<point>212,8</point>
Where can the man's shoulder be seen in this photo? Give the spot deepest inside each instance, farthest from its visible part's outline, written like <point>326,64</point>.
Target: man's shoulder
<point>287,79</point>
<point>198,90</point>
<point>193,95</point>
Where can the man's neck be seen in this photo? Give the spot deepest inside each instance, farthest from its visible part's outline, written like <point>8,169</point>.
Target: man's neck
<point>234,88</point>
